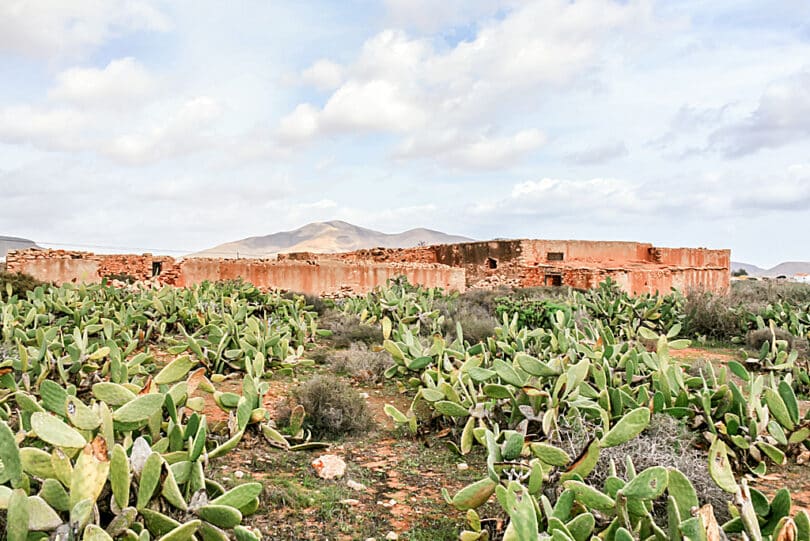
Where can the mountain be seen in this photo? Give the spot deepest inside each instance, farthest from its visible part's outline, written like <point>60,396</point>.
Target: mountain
<point>14,243</point>
<point>752,270</point>
<point>787,268</point>
<point>326,237</point>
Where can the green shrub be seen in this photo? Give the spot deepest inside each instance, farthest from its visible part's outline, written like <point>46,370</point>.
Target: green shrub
<point>360,363</point>
<point>713,316</point>
<point>347,329</point>
<point>20,283</point>
<point>121,277</point>
<point>332,407</point>
<point>754,293</point>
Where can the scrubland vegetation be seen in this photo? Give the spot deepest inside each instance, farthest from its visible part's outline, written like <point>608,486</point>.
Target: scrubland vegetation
<point>126,413</point>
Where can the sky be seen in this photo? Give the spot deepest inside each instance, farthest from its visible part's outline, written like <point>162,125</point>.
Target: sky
<point>175,126</point>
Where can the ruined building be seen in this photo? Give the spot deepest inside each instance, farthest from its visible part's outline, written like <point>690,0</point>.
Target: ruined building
<point>636,267</point>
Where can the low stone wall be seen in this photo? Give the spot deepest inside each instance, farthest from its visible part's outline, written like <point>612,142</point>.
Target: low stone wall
<point>319,277</point>
<point>636,267</point>
<point>313,277</point>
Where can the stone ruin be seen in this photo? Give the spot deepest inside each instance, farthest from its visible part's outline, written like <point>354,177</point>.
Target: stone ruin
<point>636,267</point>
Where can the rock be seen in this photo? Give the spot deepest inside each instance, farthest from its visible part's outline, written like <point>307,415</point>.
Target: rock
<point>354,485</point>
<point>462,466</point>
<point>350,501</point>
<point>329,466</point>
<point>392,536</point>
<point>238,474</point>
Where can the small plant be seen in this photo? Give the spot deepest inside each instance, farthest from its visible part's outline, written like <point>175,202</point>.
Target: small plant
<point>332,407</point>
<point>360,363</point>
<point>477,324</point>
<point>712,316</point>
<point>666,442</point>
<point>20,283</point>
<point>756,338</point>
<point>120,277</point>
<point>347,329</point>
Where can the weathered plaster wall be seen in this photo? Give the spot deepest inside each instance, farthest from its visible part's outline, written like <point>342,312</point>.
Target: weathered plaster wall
<point>318,277</point>
<point>695,257</point>
<point>321,277</point>
<point>58,270</point>
<point>536,251</point>
<point>636,267</point>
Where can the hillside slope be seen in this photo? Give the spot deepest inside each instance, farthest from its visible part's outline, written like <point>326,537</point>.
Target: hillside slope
<point>326,237</point>
<point>14,243</point>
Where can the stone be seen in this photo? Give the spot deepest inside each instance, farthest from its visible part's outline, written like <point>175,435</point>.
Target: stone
<point>329,466</point>
<point>462,466</point>
<point>392,536</point>
<point>354,485</point>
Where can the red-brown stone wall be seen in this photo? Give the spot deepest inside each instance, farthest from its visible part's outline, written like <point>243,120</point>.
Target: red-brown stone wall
<point>319,277</point>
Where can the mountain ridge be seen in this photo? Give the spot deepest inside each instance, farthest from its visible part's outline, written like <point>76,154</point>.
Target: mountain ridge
<point>786,268</point>
<point>326,237</point>
<point>8,243</point>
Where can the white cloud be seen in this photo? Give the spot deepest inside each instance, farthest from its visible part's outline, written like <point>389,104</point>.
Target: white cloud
<point>376,105</point>
<point>300,125</point>
<point>469,151</point>
<point>782,192</point>
<point>53,28</point>
<point>324,75</point>
<point>121,83</point>
<point>431,16</point>
<point>406,85</point>
<point>184,132</point>
<point>598,154</point>
<point>782,117</point>
<point>49,129</point>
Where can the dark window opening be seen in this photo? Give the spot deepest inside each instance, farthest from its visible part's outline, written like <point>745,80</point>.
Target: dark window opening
<point>157,267</point>
<point>492,263</point>
<point>553,279</point>
<point>554,256</point>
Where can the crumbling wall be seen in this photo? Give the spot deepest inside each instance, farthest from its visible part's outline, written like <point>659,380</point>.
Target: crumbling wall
<point>695,257</point>
<point>57,266</point>
<point>537,251</point>
<point>319,277</point>
<point>636,267</point>
<point>60,266</point>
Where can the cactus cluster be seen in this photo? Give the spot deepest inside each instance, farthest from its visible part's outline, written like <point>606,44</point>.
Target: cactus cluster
<point>97,442</point>
<point>517,391</point>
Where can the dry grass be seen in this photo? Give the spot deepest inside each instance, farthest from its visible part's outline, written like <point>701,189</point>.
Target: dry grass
<point>360,363</point>
<point>347,329</point>
<point>333,408</point>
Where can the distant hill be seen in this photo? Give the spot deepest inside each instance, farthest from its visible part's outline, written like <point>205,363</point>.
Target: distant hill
<point>752,270</point>
<point>326,237</point>
<point>14,243</point>
<point>788,268</point>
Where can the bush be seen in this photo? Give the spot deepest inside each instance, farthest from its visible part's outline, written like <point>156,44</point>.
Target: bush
<point>713,316</point>
<point>332,407</point>
<point>360,363</point>
<point>315,303</point>
<point>753,294</point>
<point>666,442</point>
<point>121,277</point>
<point>477,322</point>
<point>348,329</point>
<point>20,283</point>
<point>756,338</point>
